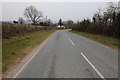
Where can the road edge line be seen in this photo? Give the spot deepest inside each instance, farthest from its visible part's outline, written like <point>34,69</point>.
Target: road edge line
<point>32,56</point>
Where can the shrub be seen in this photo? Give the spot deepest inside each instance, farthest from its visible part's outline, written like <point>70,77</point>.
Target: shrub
<point>10,30</point>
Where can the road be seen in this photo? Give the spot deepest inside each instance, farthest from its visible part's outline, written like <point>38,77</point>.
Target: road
<point>68,55</point>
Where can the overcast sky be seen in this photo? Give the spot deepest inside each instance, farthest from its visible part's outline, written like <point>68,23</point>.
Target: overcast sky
<point>53,10</point>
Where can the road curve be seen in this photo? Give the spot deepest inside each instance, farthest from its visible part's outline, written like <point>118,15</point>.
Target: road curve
<point>68,55</point>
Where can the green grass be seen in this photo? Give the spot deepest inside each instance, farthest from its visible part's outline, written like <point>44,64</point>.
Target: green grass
<point>0,57</point>
<point>102,39</point>
<point>13,49</point>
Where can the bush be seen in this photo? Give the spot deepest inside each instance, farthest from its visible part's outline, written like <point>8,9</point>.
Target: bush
<point>10,30</point>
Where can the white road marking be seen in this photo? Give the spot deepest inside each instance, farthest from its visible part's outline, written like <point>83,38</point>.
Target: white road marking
<point>71,41</point>
<point>93,66</point>
<point>31,58</point>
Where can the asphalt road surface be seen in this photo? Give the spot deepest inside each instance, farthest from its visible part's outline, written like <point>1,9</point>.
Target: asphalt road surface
<point>68,55</point>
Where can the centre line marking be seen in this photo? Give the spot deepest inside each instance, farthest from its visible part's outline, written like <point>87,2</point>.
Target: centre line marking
<point>71,41</point>
<point>101,76</point>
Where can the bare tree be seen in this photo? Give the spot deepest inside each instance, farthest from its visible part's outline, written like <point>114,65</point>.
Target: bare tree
<point>32,14</point>
<point>21,20</point>
<point>69,24</point>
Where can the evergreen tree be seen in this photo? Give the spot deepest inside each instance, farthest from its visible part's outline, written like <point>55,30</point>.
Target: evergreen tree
<point>60,22</point>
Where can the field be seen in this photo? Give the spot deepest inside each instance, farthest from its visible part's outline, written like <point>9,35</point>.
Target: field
<point>111,42</point>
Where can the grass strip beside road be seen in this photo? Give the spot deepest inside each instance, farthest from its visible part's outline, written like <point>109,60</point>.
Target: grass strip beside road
<point>108,41</point>
<point>19,47</point>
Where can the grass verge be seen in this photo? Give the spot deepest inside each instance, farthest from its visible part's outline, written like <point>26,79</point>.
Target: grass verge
<point>19,47</point>
<point>111,42</point>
